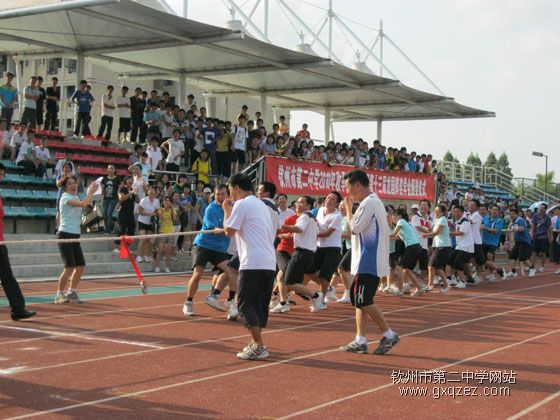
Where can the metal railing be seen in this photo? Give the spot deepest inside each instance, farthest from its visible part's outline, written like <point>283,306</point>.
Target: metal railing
<point>498,179</point>
<point>256,171</point>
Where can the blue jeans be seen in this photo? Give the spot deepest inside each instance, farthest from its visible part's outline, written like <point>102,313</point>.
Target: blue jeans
<point>109,206</point>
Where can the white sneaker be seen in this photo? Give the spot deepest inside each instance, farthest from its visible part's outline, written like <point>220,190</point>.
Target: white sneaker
<point>188,309</point>
<point>444,290</point>
<point>513,275</point>
<point>491,278</point>
<point>532,272</point>
<point>452,281</point>
<point>212,301</point>
<point>318,304</point>
<point>557,272</point>
<point>139,259</point>
<point>157,270</point>
<point>233,312</point>
<point>460,284</point>
<point>331,295</point>
<point>148,259</point>
<point>280,309</point>
<point>436,281</point>
<point>346,297</point>
<point>167,269</point>
<point>273,302</point>
<point>395,292</point>
<point>541,270</point>
<point>406,288</point>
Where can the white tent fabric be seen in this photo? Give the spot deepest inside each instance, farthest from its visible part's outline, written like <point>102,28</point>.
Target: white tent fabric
<point>138,41</point>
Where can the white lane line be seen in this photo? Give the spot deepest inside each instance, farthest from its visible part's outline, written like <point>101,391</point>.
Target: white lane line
<point>51,334</point>
<point>195,343</point>
<point>534,406</point>
<point>11,371</point>
<point>307,356</point>
<point>388,385</point>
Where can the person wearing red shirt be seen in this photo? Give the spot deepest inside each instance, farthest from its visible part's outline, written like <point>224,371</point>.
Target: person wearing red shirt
<point>304,132</point>
<point>284,252</point>
<point>9,283</point>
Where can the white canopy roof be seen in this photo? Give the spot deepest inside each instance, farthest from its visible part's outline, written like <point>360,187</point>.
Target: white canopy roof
<point>138,41</point>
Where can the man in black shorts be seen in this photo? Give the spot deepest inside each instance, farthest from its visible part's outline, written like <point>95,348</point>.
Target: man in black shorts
<point>541,233</point>
<point>210,248</point>
<point>370,261</point>
<point>305,242</point>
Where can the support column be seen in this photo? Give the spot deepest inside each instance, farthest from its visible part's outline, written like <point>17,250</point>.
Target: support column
<point>182,94</point>
<point>80,69</point>
<point>212,110</point>
<point>327,125</point>
<point>11,64</point>
<point>263,106</point>
<point>34,67</point>
<point>275,114</point>
<point>19,85</point>
<point>379,129</point>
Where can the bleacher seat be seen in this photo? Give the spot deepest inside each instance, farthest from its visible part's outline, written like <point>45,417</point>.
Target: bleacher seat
<point>25,194</point>
<point>8,193</point>
<point>42,195</point>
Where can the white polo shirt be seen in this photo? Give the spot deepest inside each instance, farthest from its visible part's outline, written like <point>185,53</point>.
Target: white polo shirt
<point>108,112</point>
<point>476,221</point>
<point>465,242</point>
<point>426,222</point>
<point>284,214</point>
<point>327,221</point>
<point>308,238</point>
<point>254,234</point>
<point>124,112</point>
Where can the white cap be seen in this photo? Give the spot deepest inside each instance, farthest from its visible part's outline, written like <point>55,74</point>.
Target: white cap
<point>415,206</point>
<point>206,190</point>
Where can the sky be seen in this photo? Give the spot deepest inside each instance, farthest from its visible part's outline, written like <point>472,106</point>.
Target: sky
<point>500,55</point>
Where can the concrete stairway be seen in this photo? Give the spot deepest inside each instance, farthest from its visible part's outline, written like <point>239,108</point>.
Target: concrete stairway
<point>40,262</point>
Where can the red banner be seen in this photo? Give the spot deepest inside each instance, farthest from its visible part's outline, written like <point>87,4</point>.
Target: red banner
<point>293,177</point>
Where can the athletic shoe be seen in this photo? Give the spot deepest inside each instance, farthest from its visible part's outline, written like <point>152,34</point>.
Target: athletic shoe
<point>406,288</point>
<point>353,347</point>
<point>167,269</point>
<point>532,272</point>
<point>386,344</point>
<point>417,271</point>
<point>188,309</point>
<point>212,301</point>
<point>513,275</point>
<point>444,290</point>
<point>491,279</point>
<point>541,270</point>
<point>501,273</point>
<point>557,272</point>
<point>417,292</point>
<point>72,297</point>
<point>280,309</point>
<point>346,297</point>
<point>331,295</point>
<point>437,280</point>
<point>233,313</point>
<point>60,299</point>
<point>139,259</point>
<point>477,278</point>
<point>460,284</point>
<point>427,288</point>
<point>157,270</point>
<point>452,281</point>
<point>317,303</point>
<point>148,259</point>
<point>228,303</point>
<point>253,353</point>
<point>472,281</point>
<point>396,292</point>
<point>248,347</point>
<point>273,302</point>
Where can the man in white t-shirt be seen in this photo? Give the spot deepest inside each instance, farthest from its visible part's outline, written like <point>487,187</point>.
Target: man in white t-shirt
<point>240,134</point>
<point>123,105</point>
<point>107,113</point>
<point>370,260</point>
<point>26,155</point>
<point>305,242</point>
<point>175,149</point>
<point>285,211</point>
<point>154,155</point>
<point>464,247</point>
<point>479,255</point>
<point>329,245</point>
<point>18,138</point>
<point>249,222</point>
<point>43,156</point>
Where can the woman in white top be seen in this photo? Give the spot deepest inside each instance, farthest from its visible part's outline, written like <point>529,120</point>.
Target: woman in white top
<point>147,210</point>
<point>70,207</point>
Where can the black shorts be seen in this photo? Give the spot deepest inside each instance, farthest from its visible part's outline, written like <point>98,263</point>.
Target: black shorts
<point>521,252</point>
<point>479,255</point>
<point>439,257</point>
<point>234,262</point>
<point>326,262</point>
<point>346,261</point>
<point>489,249</point>
<point>460,259</point>
<point>124,125</point>
<point>541,246</point>
<point>144,226</point>
<point>253,296</point>
<point>363,290</point>
<point>393,258</point>
<point>203,256</point>
<point>282,259</point>
<point>411,255</point>
<point>238,156</point>
<point>299,264</point>
<point>71,252</point>
<point>423,260</point>
<point>400,247</point>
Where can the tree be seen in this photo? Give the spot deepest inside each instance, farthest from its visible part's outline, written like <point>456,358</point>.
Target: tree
<point>503,164</point>
<point>474,160</point>
<point>491,161</point>
<point>546,183</point>
<point>448,157</point>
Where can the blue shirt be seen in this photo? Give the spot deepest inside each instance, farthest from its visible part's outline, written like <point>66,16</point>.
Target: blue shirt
<point>83,100</point>
<point>412,165</point>
<point>210,137</point>
<point>8,93</point>
<point>541,225</point>
<point>315,212</point>
<point>381,157</point>
<point>70,217</point>
<point>407,233</point>
<point>522,236</point>
<point>213,218</point>
<point>489,238</point>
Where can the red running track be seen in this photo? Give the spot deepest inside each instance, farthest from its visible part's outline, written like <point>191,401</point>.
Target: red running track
<point>137,357</point>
